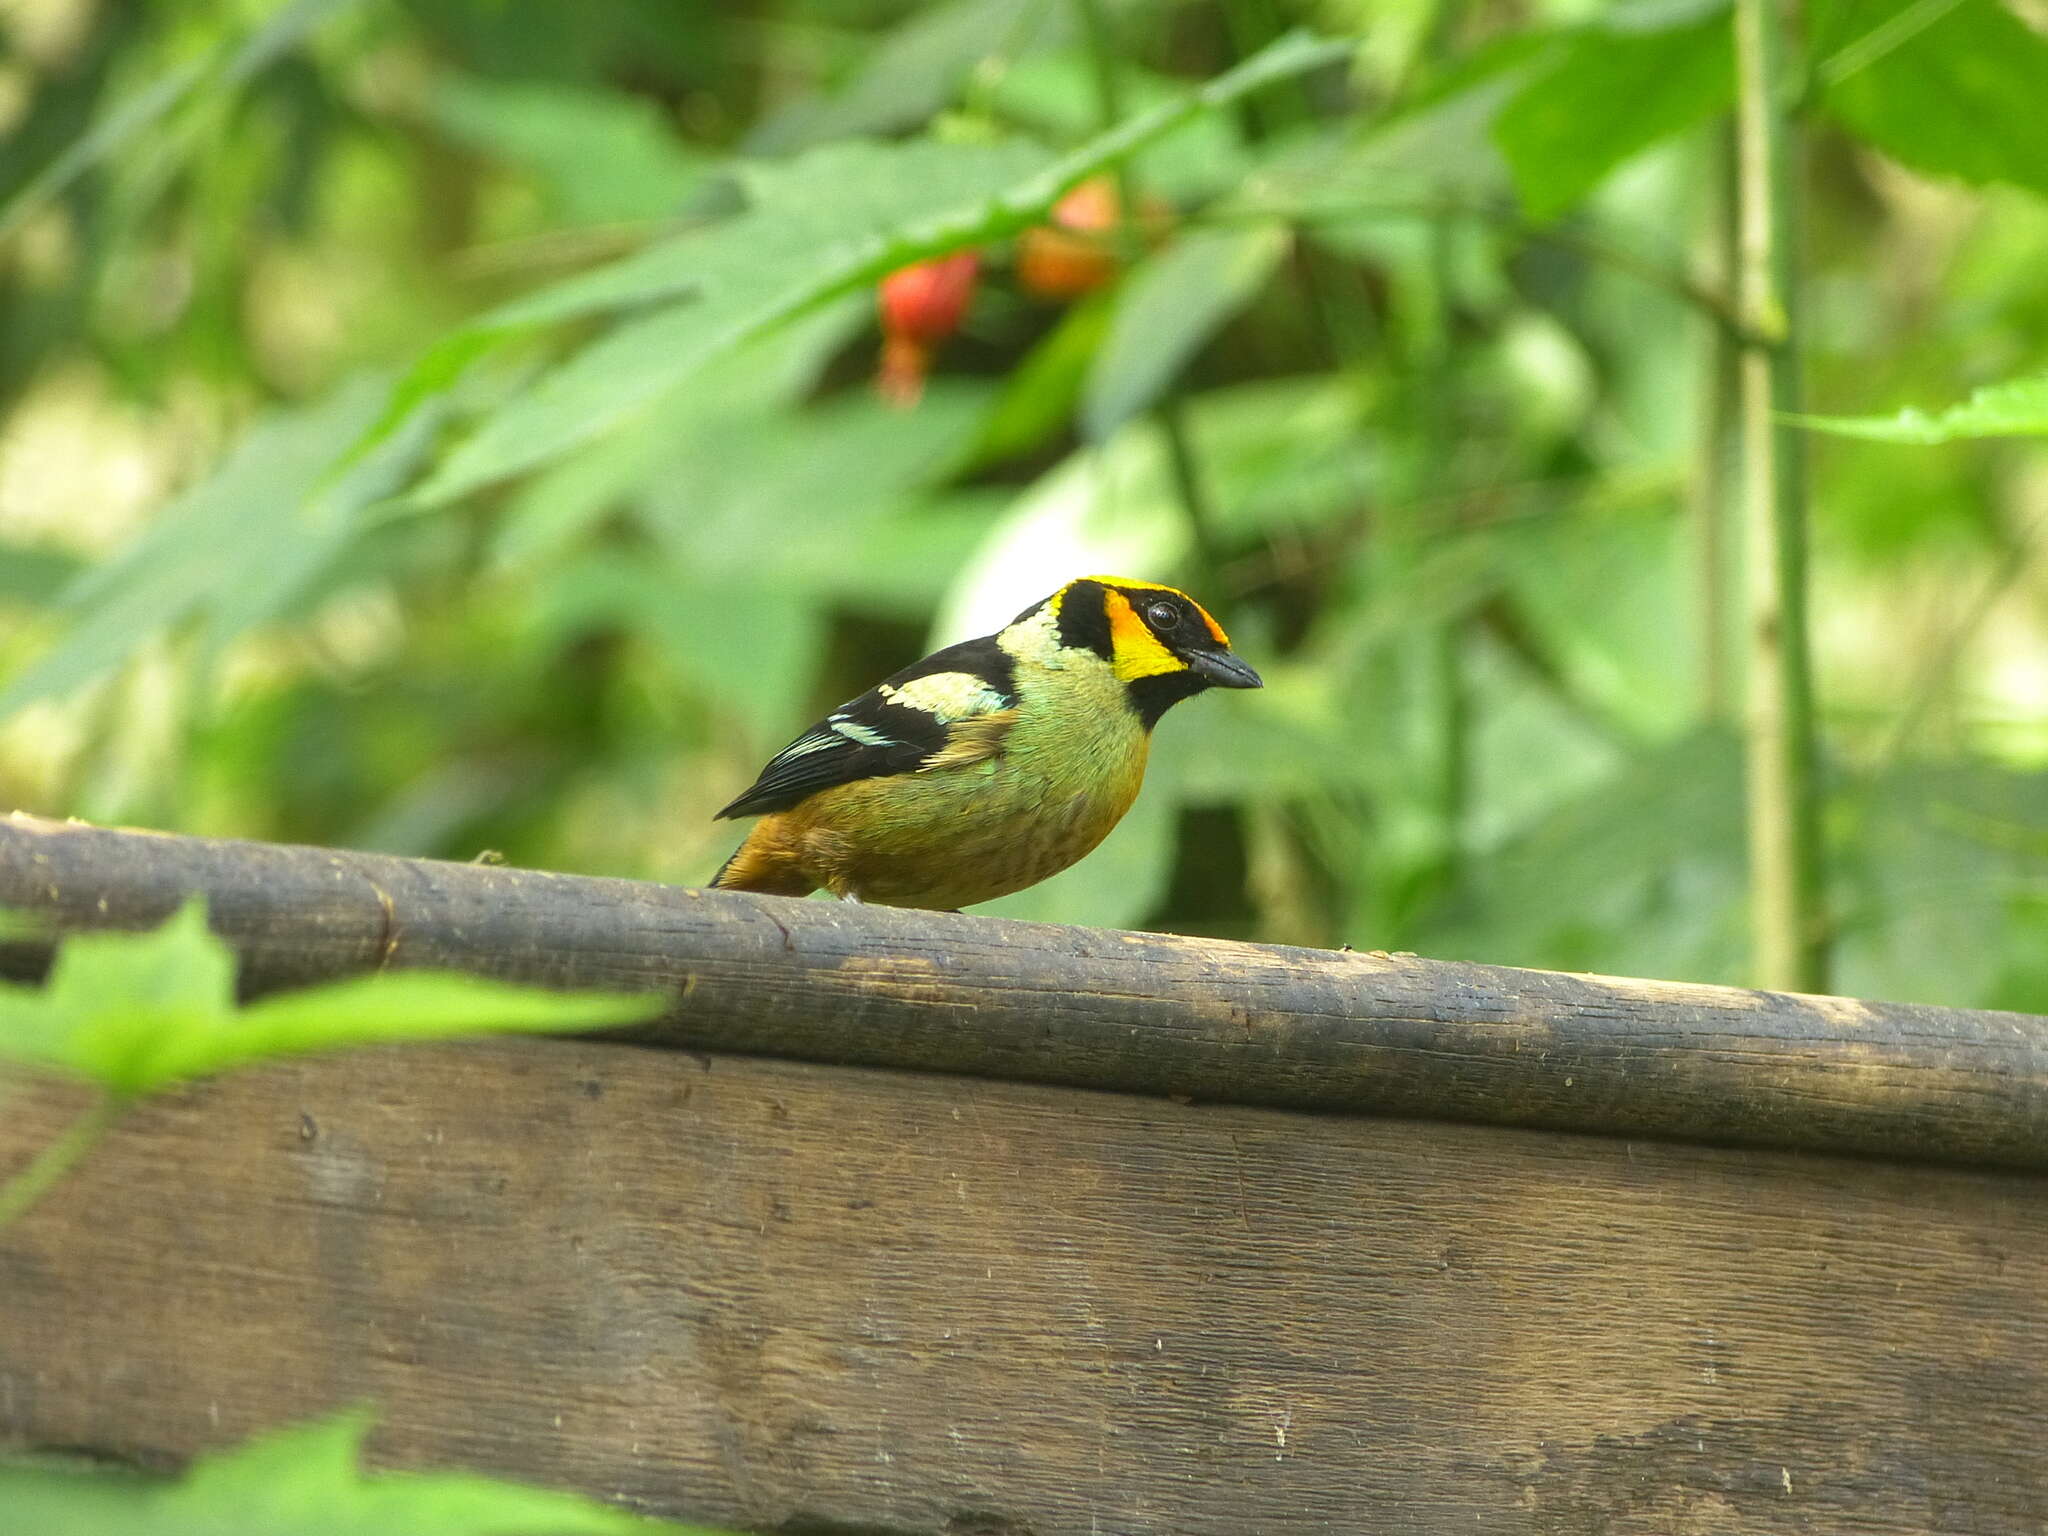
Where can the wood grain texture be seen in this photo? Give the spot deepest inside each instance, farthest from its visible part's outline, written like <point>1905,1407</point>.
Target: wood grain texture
<point>812,1299</point>
<point>1149,1013</point>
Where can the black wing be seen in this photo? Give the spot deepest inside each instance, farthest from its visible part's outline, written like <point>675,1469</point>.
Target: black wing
<point>874,735</point>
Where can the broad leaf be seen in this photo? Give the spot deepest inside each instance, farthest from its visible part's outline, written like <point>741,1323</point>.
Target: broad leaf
<point>1955,89</point>
<point>2015,408</point>
<point>1439,154</point>
<point>1037,400</point>
<point>602,155</point>
<point>834,220</point>
<point>140,1012</point>
<point>1171,305</point>
<point>1610,90</point>
<point>238,547</point>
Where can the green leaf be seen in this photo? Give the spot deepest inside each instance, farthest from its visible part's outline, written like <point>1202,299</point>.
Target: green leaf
<point>686,440</point>
<point>825,473</point>
<point>238,547</point>
<point>111,998</point>
<point>915,71</point>
<point>602,155</point>
<point>1441,152</point>
<point>834,220</point>
<point>1037,399</point>
<point>2015,408</point>
<point>1609,91</point>
<point>305,1481</point>
<point>393,1006</point>
<point>1952,87</point>
<point>1170,305</point>
<point>217,74</point>
<point>1652,854</point>
<point>140,1012</point>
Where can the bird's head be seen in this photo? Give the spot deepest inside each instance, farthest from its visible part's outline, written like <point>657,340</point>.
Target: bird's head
<point>1159,642</point>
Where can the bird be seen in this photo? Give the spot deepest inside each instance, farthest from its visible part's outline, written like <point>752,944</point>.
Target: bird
<point>990,764</point>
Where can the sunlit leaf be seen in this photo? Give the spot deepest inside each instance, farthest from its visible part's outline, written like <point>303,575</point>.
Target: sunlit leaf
<point>2015,408</point>
<point>675,446</point>
<point>139,1012</point>
<point>1951,87</point>
<point>1609,90</point>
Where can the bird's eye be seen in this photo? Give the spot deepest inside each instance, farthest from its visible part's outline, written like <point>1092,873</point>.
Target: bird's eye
<point>1163,615</point>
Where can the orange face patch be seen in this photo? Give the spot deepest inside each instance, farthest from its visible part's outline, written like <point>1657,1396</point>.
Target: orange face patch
<point>1135,650</point>
<point>1215,629</point>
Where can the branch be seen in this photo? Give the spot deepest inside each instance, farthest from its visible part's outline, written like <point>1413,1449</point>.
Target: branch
<point>1142,1013</point>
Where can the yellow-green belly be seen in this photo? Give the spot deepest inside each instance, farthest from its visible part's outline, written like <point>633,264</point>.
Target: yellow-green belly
<point>952,837</point>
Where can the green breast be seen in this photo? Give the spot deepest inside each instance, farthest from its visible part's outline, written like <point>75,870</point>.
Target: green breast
<point>1067,772</point>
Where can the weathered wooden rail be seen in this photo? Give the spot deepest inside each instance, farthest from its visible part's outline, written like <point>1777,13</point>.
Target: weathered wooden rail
<point>1025,1230</point>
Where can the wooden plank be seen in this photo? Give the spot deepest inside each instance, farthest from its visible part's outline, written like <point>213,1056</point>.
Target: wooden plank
<point>1152,1013</point>
<point>821,1299</point>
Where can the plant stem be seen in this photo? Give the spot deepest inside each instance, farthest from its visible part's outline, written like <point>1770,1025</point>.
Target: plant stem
<point>22,1191</point>
<point>1787,919</point>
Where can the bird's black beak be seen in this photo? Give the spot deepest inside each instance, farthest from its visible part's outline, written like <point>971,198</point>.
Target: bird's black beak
<point>1223,670</point>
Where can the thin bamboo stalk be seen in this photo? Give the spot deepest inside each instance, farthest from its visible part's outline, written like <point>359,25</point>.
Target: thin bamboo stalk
<point>1787,915</point>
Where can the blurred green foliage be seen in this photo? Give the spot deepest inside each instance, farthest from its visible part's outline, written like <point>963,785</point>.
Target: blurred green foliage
<point>137,1013</point>
<point>449,426</point>
<point>303,1482</point>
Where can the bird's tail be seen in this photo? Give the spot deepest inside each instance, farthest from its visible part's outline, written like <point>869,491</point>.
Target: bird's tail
<point>763,863</point>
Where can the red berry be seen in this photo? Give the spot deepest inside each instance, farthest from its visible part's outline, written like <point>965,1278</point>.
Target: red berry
<point>1069,256</point>
<point>921,306</point>
<point>1075,251</point>
<point>926,302</point>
